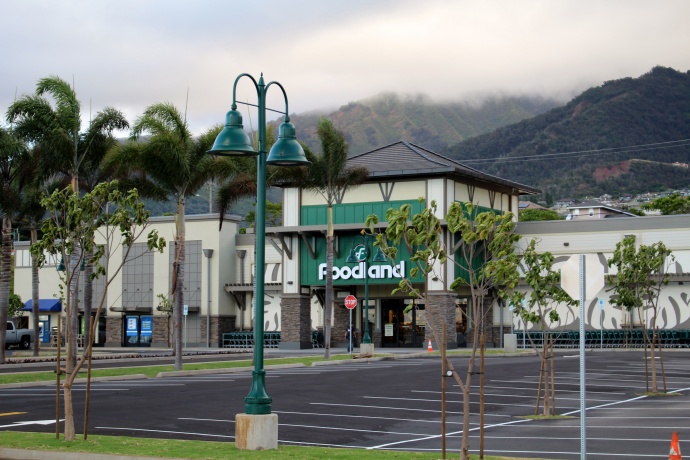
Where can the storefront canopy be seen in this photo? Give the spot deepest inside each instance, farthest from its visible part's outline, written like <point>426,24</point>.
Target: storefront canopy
<point>52,305</point>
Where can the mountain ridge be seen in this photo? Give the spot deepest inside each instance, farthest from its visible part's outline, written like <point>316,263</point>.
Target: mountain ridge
<point>621,120</point>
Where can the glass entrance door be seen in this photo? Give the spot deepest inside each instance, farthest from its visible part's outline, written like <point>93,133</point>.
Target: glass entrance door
<point>400,328</point>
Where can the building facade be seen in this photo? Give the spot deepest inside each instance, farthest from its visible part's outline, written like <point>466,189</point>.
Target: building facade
<point>219,266</point>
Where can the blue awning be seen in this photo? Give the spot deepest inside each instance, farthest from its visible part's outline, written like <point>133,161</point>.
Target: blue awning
<point>52,305</point>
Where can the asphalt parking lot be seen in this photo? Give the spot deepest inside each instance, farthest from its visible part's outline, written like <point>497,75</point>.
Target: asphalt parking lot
<point>396,405</point>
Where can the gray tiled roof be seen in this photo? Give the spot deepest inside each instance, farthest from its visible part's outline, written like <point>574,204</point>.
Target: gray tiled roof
<point>405,159</point>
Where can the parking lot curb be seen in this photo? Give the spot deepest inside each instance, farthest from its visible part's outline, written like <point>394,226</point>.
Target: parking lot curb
<point>43,383</point>
<point>229,370</point>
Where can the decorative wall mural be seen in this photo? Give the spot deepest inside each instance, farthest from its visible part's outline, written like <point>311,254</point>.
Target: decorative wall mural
<point>674,305</point>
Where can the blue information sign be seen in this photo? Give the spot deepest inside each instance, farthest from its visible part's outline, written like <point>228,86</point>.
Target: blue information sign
<point>132,326</point>
<point>146,326</point>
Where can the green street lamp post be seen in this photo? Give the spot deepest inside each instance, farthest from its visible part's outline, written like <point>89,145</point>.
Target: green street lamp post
<point>359,254</point>
<point>233,140</point>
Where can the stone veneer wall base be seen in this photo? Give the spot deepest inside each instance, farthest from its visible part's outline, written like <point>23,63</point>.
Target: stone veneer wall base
<point>295,322</point>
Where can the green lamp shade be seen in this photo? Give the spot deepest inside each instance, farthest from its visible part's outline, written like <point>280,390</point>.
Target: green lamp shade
<point>61,266</point>
<point>352,258</point>
<point>287,151</point>
<point>233,140</point>
<point>379,256</point>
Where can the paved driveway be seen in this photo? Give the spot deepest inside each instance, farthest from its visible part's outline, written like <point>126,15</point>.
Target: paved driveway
<point>396,405</point>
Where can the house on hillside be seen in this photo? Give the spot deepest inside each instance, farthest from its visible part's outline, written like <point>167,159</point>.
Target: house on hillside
<point>594,210</point>
<point>522,205</point>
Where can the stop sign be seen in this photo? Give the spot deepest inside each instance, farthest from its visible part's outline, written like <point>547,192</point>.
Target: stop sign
<point>594,276</point>
<point>350,302</point>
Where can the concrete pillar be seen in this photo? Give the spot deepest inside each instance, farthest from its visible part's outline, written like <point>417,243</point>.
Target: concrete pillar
<point>256,432</point>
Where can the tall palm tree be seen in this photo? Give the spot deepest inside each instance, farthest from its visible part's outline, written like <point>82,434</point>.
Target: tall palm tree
<point>54,126</point>
<point>330,177</point>
<point>13,155</point>
<point>32,214</point>
<point>169,163</point>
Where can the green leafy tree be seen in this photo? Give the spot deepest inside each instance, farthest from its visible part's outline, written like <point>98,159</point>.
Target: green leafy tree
<point>486,259</point>
<point>170,162</point>
<point>538,308</point>
<point>13,174</point>
<point>529,215</point>
<point>330,177</point>
<point>274,214</point>
<point>16,306</point>
<point>642,273</point>
<point>69,230</point>
<point>672,204</point>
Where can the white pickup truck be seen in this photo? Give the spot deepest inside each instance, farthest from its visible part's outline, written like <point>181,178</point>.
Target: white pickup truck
<point>21,337</point>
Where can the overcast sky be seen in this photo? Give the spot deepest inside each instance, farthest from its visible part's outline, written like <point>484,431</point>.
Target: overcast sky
<point>132,53</point>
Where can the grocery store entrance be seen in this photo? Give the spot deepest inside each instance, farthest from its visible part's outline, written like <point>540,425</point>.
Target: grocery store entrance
<point>403,324</point>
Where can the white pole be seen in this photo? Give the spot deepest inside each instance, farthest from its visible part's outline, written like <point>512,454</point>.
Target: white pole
<point>583,380</point>
<point>350,332</point>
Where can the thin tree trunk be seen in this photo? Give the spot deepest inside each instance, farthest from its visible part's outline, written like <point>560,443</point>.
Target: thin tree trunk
<point>465,446</point>
<point>5,268</point>
<point>70,434</point>
<point>541,378</point>
<point>34,292</point>
<point>652,358</point>
<point>482,352</point>
<point>545,370</point>
<point>553,380</point>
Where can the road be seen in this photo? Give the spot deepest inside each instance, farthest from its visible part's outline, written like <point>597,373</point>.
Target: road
<point>396,405</point>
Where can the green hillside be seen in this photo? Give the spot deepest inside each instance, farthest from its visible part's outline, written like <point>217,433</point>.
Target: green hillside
<point>388,118</point>
<point>652,109</point>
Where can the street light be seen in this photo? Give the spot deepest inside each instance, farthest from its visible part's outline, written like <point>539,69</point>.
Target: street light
<point>234,141</point>
<point>360,254</point>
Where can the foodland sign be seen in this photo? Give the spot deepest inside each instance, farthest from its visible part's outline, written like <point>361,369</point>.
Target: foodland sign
<point>347,272</point>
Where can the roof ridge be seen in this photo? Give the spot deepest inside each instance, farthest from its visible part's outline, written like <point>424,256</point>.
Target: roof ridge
<point>416,149</point>
<point>376,149</point>
<point>452,160</point>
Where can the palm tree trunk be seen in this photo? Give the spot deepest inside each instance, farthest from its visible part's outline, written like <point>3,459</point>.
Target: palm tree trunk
<point>72,312</point>
<point>34,290</point>
<point>5,269</point>
<point>88,298</point>
<point>328,307</point>
<point>179,294</point>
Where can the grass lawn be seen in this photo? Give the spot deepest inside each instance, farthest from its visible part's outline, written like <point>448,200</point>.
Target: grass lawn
<point>171,448</point>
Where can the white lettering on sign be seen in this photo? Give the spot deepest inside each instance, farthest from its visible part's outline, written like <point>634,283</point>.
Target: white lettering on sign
<point>357,272</point>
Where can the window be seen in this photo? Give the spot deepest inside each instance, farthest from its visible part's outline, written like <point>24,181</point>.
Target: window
<point>137,278</point>
<point>191,289</point>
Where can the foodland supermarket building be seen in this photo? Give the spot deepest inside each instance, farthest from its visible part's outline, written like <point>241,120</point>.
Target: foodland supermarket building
<point>219,267</point>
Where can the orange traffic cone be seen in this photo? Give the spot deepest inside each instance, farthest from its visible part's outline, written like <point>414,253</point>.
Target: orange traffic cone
<point>430,348</point>
<point>674,453</point>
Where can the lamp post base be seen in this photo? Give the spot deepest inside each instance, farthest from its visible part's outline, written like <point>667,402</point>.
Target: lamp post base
<point>256,432</point>
<point>366,348</point>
